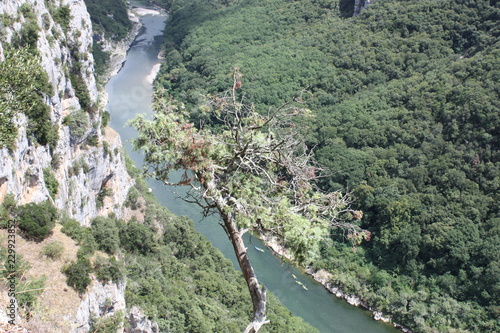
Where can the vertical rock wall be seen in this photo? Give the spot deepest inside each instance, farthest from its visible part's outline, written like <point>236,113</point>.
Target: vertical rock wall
<point>83,171</point>
<point>101,166</point>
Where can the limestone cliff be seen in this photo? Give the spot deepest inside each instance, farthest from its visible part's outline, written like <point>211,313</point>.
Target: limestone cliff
<point>92,177</point>
<point>78,191</point>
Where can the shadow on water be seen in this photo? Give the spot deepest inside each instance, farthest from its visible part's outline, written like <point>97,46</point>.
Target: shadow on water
<point>129,93</point>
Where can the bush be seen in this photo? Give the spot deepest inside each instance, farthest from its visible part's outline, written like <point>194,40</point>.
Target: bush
<point>7,209</point>
<point>93,140</point>
<point>62,16</point>
<point>88,246</point>
<point>81,91</point>
<point>132,201</point>
<point>73,229</point>
<point>108,324</point>
<point>105,192</point>
<point>51,182</point>
<point>53,250</point>
<point>138,238</point>
<point>101,59</point>
<point>78,123</point>
<point>108,269</point>
<point>36,221</point>
<point>105,233</point>
<point>77,275</point>
<point>27,291</point>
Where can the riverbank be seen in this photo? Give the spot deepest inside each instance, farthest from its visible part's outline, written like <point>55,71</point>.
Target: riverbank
<point>323,277</point>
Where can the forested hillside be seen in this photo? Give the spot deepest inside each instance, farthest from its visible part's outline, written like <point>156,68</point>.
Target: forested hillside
<point>181,281</point>
<point>406,104</point>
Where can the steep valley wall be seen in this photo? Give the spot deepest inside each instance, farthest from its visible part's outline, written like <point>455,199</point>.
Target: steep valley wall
<point>84,171</point>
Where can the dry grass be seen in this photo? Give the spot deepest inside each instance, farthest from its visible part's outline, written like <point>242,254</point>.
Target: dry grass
<point>58,303</point>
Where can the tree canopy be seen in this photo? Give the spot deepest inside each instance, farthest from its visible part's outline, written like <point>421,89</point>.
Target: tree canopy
<point>253,170</point>
<point>406,106</point>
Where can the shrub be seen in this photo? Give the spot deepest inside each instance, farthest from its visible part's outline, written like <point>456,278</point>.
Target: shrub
<point>105,192</point>
<point>138,238</point>
<point>105,118</point>
<point>72,228</point>
<point>108,269</point>
<point>105,232</point>
<point>132,201</point>
<point>77,275</point>
<point>53,250</point>
<point>27,36</point>
<point>28,291</point>
<point>93,140</point>
<point>62,16</point>
<point>7,209</point>
<point>51,182</point>
<point>81,91</point>
<point>78,123</point>
<point>87,246</point>
<point>108,324</point>
<point>36,221</point>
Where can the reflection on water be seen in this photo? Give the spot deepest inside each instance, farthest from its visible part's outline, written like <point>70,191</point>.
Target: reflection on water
<point>129,93</point>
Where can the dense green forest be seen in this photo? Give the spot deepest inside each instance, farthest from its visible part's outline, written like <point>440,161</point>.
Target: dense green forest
<point>109,17</point>
<point>407,118</point>
<point>172,272</point>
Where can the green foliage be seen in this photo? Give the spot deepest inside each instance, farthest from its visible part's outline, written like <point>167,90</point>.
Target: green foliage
<point>51,182</point>
<point>77,275</point>
<point>92,140</point>
<point>53,250</point>
<point>105,232</point>
<point>407,116</point>
<point>78,122</point>
<point>182,281</point>
<point>28,36</point>
<point>62,16</point>
<point>101,59</point>
<point>105,192</point>
<point>132,201</point>
<point>36,221</point>
<point>108,269</point>
<point>109,17</point>
<point>23,83</point>
<point>28,291</point>
<point>105,118</point>
<point>138,238</point>
<point>108,324</point>
<point>7,209</point>
<point>81,91</point>
<point>73,229</point>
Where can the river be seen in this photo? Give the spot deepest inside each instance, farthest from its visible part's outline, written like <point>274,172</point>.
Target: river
<point>129,93</point>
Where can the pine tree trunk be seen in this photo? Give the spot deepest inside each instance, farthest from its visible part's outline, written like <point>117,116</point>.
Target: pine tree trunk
<point>257,292</point>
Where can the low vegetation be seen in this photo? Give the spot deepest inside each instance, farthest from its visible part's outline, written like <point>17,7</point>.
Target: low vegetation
<point>36,221</point>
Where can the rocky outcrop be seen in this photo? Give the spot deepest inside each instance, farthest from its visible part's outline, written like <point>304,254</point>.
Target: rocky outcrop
<point>102,301</point>
<point>83,170</point>
<point>359,5</point>
<point>92,177</point>
<point>139,323</point>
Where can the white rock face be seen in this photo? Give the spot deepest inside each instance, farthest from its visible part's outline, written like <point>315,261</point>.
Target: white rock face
<point>103,300</point>
<point>99,167</point>
<point>21,170</point>
<point>139,323</point>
